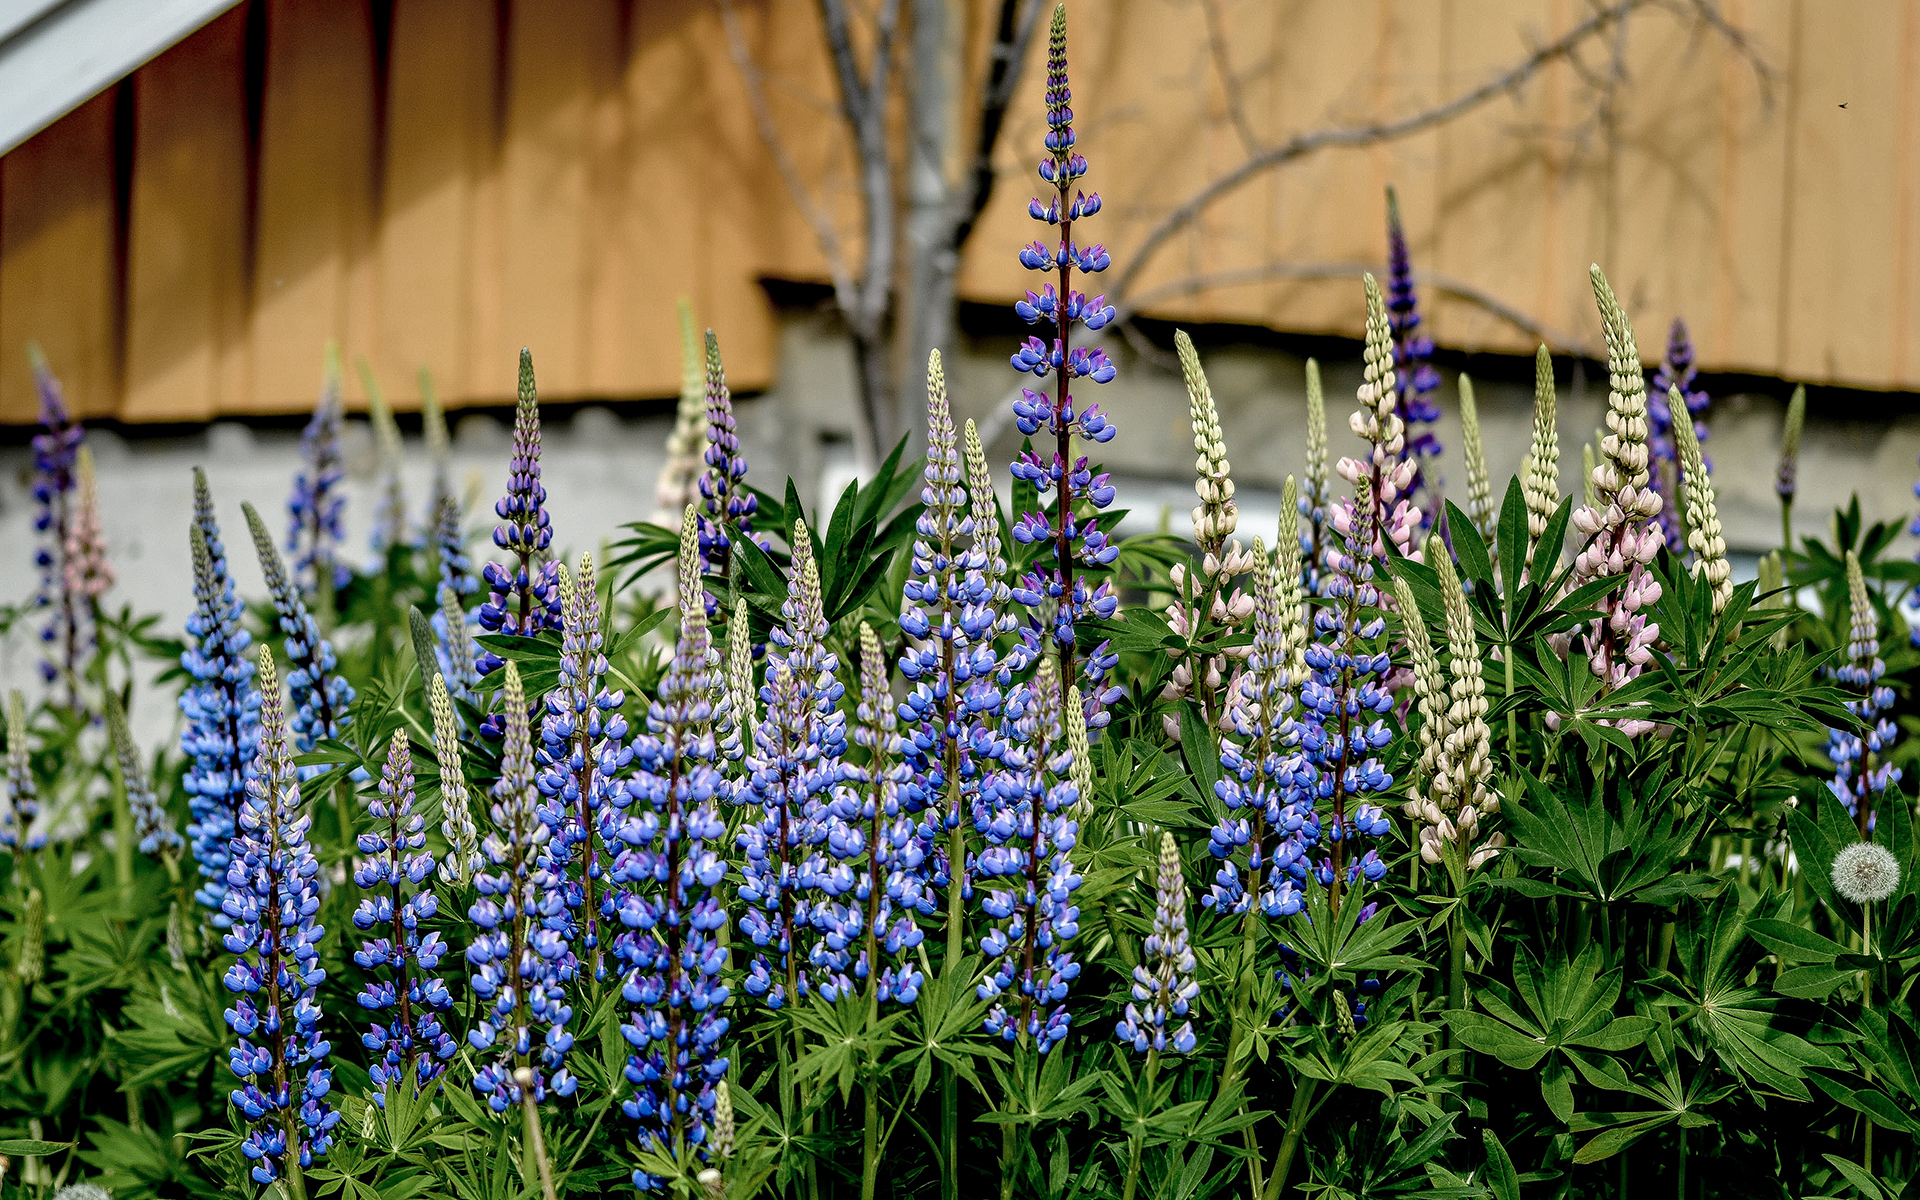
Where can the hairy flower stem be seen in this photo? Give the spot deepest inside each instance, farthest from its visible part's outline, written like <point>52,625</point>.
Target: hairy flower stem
<point>1457,993</point>
<point>536,1142</point>
<point>1296,1121</point>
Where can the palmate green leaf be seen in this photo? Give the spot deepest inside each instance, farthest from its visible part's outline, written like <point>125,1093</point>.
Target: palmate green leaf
<point>1489,1036</point>
<point>1202,753</point>
<point>1795,943</point>
<point>1468,546</point>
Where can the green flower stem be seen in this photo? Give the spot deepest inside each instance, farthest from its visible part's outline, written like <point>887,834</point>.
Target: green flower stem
<point>1136,1141</point>
<point>1786,526</point>
<point>536,1143</point>
<point>1241,1020</point>
<point>1296,1122</point>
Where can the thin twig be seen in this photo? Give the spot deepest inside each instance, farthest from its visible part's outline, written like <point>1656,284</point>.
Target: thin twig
<point>1229,82</point>
<point>810,210</point>
<point>1443,284</point>
<point>1363,135</point>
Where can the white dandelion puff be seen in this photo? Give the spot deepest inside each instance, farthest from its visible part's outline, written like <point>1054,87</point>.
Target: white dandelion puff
<point>1865,871</point>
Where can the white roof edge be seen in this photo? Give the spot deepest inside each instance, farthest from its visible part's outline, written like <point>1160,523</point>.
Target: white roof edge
<point>57,54</point>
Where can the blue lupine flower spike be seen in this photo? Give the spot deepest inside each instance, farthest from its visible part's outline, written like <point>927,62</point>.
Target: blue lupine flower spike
<point>271,897</point>
<point>519,955</point>
<point>1024,815</point>
<point>583,752</point>
<point>1163,985</point>
<point>525,592</point>
<point>314,511</point>
<point>23,791</point>
<point>1416,382</point>
<point>152,823</point>
<point>672,946</point>
<point>796,770</point>
<point>1676,370</point>
<point>321,695</point>
<point>893,882</point>
<point>1861,770</point>
<point>221,705</point>
<point>1056,589</point>
<point>410,1042</point>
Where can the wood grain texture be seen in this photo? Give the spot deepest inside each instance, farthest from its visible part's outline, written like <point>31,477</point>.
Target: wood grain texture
<point>557,175</point>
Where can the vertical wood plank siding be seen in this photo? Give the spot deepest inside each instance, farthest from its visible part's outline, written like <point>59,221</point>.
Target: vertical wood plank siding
<point>434,183</point>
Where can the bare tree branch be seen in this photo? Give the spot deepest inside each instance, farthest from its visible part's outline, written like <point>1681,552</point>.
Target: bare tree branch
<point>1013,36</point>
<point>1229,82</point>
<point>1304,144</point>
<point>810,210</point>
<point>1444,284</point>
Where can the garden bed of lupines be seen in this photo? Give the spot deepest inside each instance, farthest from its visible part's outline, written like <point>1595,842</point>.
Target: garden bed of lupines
<point>935,846</point>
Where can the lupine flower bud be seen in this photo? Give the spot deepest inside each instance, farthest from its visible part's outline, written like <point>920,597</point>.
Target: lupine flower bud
<point>1082,751</point>
<point>1388,472</point>
<point>390,518</point>
<point>1540,477</point>
<point>743,702</point>
<point>1315,490</point>
<point>1786,478</point>
<point>23,792</point>
<point>676,486</point>
<point>31,962</point>
<point>1665,414</point>
<point>88,574</point>
<point>1163,985</point>
<point>1430,695</point>
<point>723,1132</point>
<point>727,505</point>
<point>463,839</point>
<point>321,695</point>
<point>1479,487</point>
<point>152,824</point>
<point>524,596</point>
<point>454,653</point>
<point>1702,511</point>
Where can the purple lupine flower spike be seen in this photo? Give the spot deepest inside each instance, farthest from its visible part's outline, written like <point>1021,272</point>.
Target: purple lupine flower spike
<point>152,823</point>
<point>1414,376</point>
<point>221,704</point>
<point>893,884</point>
<point>1056,589</point>
<point>672,944</point>
<point>1163,986</point>
<point>796,770</point>
<point>412,1043</point>
<point>56,451</point>
<point>321,695</point>
<point>1676,370</point>
<point>1024,815</point>
<point>727,506</point>
<point>269,902</point>
<point>314,511</point>
<point>520,957</point>
<point>525,592</point>
<point>583,753</point>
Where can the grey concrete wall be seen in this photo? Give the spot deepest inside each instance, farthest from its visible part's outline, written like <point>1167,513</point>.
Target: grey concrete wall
<point>600,466</point>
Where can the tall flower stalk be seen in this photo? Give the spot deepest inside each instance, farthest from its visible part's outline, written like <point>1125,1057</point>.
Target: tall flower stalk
<point>1315,490</point>
<point>221,705</point>
<point>1203,604</point>
<point>1786,477</point>
<point>727,506</point>
<point>1056,589</point>
<point>1415,380</point>
<point>1025,872</point>
<point>1474,451</point>
<point>1702,511</point>
<point>582,754</point>
<point>672,944</point>
<point>462,859</point>
<point>1540,474</point>
<point>1384,479</point>
<point>525,592</point>
<point>1665,414</point>
<point>318,503</point>
<point>1618,524</point>
<point>269,902</point>
<point>1861,772</point>
<point>519,954</point>
<point>152,823</point>
<point>56,453</point>
<point>20,829</point>
<point>678,483</point>
<point>88,573</point>
<point>321,695</point>
<point>390,517</point>
<point>410,1044</point>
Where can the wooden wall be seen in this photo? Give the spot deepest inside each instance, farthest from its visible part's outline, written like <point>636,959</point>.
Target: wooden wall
<point>438,182</point>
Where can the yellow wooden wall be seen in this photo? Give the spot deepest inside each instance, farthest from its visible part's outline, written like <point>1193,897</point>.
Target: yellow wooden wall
<point>556,174</point>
